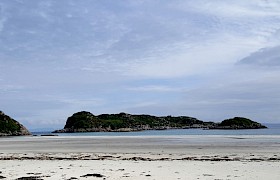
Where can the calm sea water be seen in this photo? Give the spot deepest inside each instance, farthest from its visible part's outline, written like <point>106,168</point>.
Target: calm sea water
<point>273,129</point>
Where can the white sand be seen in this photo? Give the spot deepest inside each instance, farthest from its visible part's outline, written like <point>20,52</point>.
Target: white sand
<point>141,169</point>
<point>157,157</point>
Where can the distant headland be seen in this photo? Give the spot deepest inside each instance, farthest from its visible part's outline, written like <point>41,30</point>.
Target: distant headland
<point>87,122</point>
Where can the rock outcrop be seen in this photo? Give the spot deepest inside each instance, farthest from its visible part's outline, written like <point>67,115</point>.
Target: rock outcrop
<point>87,122</point>
<point>239,123</point>
<point>10,127</point>
<point>123,122</point>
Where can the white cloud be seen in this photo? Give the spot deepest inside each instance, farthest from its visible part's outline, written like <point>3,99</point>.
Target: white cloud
<point>208,57</point>
<point>154,88</point>
<point>238,9</point>
<point>3,18</point>
<point>2,22</point>
<point>10,88</point>
<point>160,57</point>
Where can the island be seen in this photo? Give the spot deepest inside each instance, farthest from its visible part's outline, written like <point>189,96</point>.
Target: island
<point>123,122</point>
<point>11,127</point>
<point>238,123</point>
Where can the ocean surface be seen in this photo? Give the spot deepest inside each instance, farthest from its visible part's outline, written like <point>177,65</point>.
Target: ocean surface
<point>273,129</point>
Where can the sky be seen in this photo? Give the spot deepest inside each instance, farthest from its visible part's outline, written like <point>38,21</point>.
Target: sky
<point>211,60</point>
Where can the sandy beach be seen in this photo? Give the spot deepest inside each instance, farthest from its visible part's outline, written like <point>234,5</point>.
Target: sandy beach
<point>139,157</point>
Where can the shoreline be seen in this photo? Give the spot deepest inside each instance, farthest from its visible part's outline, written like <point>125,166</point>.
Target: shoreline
<point>141,157</point>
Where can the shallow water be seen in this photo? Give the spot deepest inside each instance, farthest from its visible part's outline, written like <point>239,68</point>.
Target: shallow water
<point>273,129</point>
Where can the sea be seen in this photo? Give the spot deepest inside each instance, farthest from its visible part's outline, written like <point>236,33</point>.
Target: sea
<point>273,129</point>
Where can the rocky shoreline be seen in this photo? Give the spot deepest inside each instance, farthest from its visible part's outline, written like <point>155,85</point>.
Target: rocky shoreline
<point>135,129</point>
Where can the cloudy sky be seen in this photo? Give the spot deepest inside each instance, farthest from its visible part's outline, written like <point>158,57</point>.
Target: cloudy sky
<point>206,59</point>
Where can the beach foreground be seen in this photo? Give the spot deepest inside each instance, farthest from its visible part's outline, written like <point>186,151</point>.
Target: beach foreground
<point>154,157</point>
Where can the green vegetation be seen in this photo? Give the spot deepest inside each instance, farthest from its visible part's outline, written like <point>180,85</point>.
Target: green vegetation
<point>7,124</point>
<point>10,127</point>
<point>240,123</point>
<point>87,122</point>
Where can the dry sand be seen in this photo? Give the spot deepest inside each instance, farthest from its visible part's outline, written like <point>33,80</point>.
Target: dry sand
<point>154,157</point>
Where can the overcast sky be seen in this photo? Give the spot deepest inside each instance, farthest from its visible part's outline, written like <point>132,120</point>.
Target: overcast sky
<point>207,59</point>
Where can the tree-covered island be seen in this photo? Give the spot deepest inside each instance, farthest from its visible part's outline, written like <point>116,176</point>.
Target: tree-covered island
<point>87,122</point>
